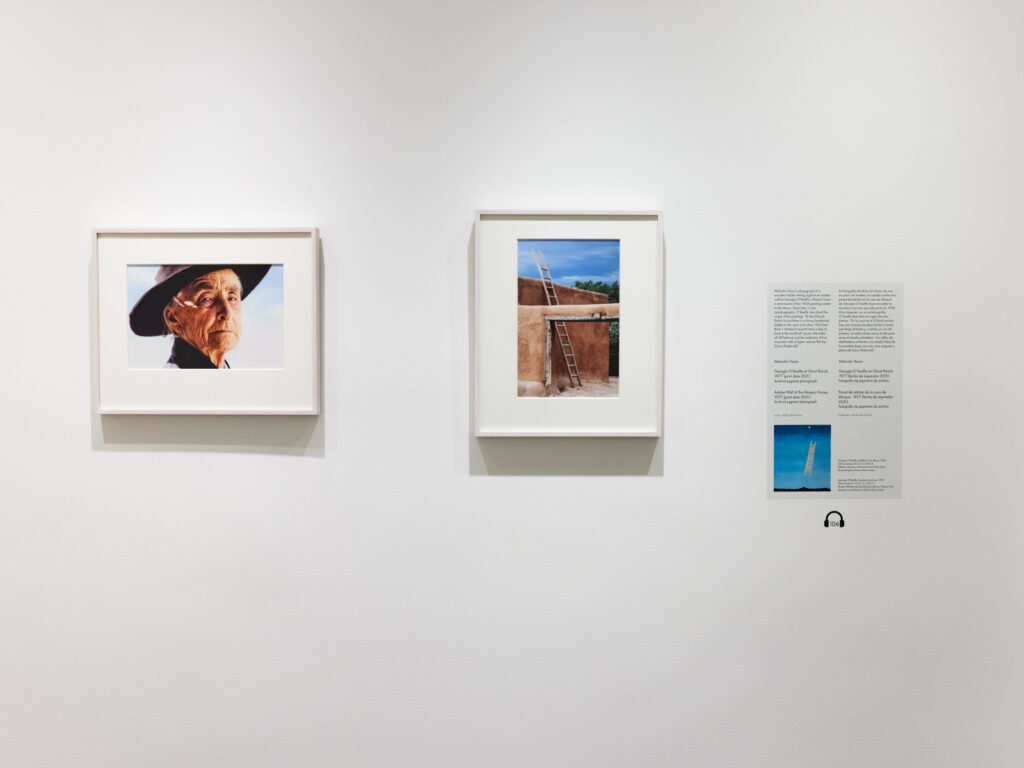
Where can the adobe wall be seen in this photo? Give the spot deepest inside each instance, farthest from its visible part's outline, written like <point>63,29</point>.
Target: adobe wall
<point>590,341</point>
<point>531,293</point>
<point>590,344</point>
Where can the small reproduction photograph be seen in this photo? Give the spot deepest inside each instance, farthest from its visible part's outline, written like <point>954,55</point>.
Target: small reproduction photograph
<point>206,316</point>
<point>568,318</point>
<point>803,457</point>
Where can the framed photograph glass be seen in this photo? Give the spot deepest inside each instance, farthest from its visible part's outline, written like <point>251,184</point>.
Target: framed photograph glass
<point>207,321</point>
<point>569,324</point>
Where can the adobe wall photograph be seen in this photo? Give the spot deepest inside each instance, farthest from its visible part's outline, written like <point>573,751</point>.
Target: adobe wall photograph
<point>568,309</point>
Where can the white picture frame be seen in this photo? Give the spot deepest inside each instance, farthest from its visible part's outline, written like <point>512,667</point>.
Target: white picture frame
<point>499,410</point>
<point>291,387</point>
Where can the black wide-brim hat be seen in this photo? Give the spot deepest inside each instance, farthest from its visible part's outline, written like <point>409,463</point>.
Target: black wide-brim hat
<point>147,316</point>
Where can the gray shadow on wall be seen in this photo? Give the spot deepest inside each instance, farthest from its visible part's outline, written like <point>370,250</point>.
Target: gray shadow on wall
<point>566,456</point>
<point>283,435</point>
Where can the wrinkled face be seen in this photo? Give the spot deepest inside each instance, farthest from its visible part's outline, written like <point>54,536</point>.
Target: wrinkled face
<point>207,313</point>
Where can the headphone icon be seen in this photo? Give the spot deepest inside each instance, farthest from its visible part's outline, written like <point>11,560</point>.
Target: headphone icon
<point>842,523</point>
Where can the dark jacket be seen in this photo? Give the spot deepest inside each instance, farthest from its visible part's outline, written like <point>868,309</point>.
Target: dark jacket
<point>184,355</point>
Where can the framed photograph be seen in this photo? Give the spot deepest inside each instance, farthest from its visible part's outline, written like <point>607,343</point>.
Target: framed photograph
<point>569,324</point>
<point>207,321</point>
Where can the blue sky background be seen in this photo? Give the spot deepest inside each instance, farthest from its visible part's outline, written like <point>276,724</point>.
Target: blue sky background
<point>791,444</point>
<point>572,260</point>
<point>261,344</point>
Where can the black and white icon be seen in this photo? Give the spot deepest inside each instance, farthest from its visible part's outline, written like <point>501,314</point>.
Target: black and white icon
<point>833,524</point>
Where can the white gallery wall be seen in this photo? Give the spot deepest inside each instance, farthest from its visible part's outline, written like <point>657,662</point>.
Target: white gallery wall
<point>375,587</point>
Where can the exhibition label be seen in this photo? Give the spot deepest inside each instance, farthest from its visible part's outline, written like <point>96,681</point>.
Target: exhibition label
<point>834,390</point>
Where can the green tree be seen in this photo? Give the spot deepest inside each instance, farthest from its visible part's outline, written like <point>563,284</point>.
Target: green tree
<point>611,290</point>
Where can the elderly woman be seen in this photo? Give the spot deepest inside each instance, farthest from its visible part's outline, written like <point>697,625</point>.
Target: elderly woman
<point>201,305</point>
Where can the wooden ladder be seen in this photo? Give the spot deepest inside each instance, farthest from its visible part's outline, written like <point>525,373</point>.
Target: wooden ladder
<point>810,459</point>
<point>561,331</point>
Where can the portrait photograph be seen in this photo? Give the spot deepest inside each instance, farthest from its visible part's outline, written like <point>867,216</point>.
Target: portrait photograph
<point>207,321</point>
<point>183,316</point>
<point>552,357</point>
